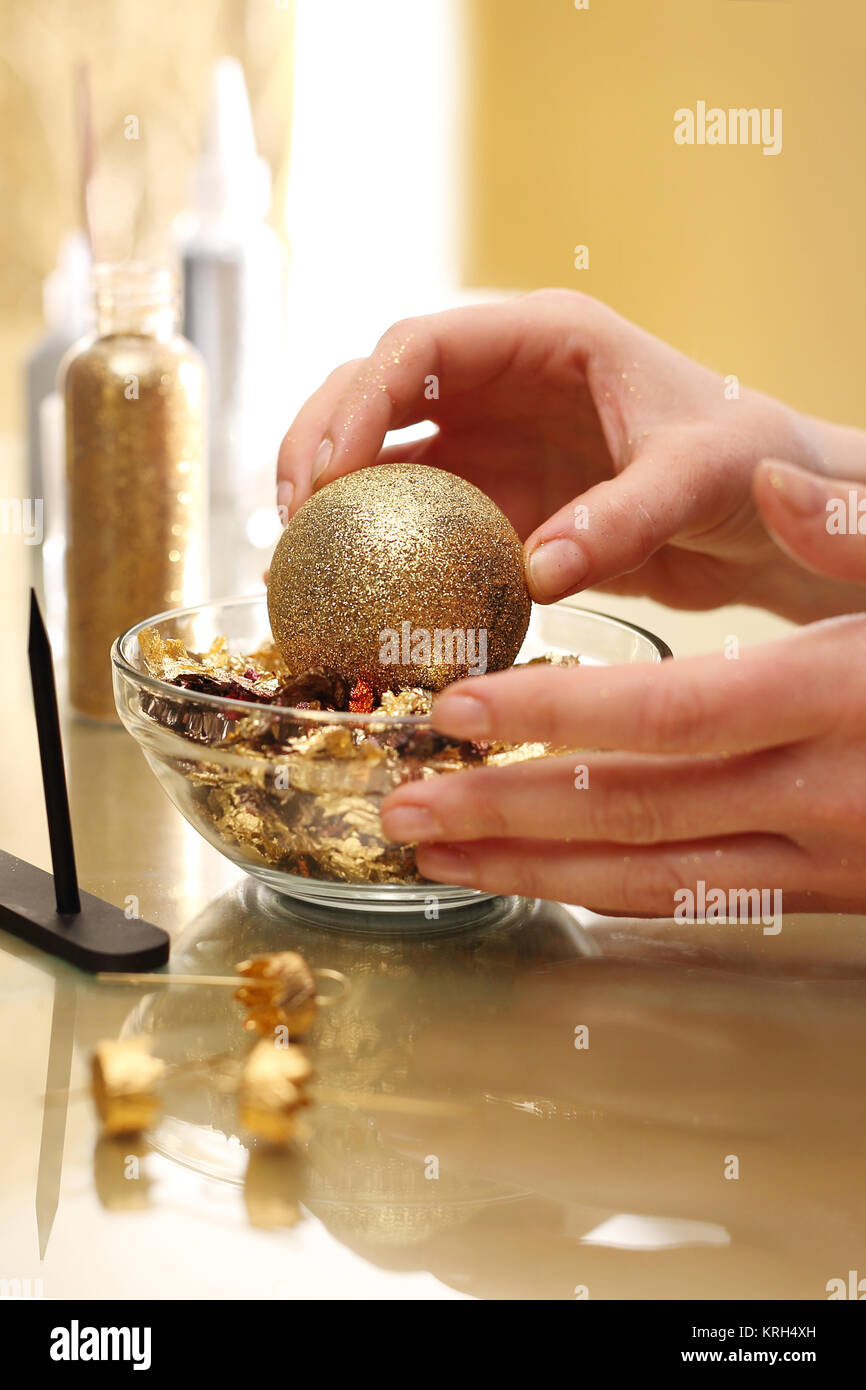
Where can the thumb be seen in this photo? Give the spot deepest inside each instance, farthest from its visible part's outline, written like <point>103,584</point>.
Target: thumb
<point>819,521</point>
<point>611,529</point>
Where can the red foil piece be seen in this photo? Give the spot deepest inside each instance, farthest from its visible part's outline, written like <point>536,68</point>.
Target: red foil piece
<point>361,698</point>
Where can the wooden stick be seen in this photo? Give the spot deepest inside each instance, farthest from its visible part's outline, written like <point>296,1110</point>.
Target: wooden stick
<point>112,977</point>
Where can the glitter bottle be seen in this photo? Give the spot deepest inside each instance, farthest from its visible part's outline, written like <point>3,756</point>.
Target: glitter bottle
<point>135,473</point>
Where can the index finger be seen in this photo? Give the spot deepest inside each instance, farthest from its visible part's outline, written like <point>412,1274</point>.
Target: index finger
<point>771,695</point>
<point>423,366</point>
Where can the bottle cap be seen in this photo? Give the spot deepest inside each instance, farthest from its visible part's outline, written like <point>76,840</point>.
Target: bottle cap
<point>134,285</point>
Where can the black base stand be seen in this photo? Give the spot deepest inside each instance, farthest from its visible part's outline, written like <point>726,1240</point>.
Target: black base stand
<point>99,937</point>
<point>49,912</point>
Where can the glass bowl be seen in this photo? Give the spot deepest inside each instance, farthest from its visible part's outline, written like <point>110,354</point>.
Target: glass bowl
<point>292,796</point>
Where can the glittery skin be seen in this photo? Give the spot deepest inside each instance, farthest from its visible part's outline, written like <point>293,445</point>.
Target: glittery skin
<point>390,545</point>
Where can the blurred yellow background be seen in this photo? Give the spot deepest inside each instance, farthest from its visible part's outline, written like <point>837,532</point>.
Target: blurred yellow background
<point>748,262</point>
<point>751,263</point>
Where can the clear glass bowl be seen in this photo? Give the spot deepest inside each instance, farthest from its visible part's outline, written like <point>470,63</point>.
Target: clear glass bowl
<point>308,824</point>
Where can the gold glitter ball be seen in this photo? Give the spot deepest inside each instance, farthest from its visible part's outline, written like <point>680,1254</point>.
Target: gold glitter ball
<point>401,575</point>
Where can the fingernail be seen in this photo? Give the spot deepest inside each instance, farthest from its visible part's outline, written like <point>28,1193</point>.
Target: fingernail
<point>798,490</point>
<point>446,865</point>
<point>463,716</point>
<point>285,497</point>
<point>557,567</point>
<point>410,823</point>
<point>322,459</point>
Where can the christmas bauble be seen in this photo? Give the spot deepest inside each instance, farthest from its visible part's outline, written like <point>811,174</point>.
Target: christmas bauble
<point>399,575</point>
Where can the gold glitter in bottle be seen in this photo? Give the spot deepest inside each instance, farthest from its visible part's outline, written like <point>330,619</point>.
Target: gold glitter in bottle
<point>135,473</point>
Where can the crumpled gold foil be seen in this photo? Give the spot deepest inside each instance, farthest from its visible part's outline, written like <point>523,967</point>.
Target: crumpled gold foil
<point>299,798</point>
<point>168,658</point>
<point>409,701</point>
<point>281,993</point>
<point>272,1090</point>
<point>124,1078</point>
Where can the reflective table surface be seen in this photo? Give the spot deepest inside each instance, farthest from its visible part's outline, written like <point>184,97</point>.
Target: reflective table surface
<point>537,1104</point>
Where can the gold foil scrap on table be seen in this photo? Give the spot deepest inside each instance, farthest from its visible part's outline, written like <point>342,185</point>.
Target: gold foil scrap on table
<point>272,1090</point>
<point>281,993</point>
<point>124,1081</point>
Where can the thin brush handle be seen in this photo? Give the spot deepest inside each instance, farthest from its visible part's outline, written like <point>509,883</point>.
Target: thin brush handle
<point>84,130</point>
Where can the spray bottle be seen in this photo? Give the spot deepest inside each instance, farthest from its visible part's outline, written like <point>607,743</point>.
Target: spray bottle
<point>233,304</point>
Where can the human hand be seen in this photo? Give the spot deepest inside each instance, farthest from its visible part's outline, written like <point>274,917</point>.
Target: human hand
<point>553,402</point>
<point>743,774</point>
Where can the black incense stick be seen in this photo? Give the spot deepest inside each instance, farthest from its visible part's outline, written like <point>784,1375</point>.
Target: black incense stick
<point>51,757</point>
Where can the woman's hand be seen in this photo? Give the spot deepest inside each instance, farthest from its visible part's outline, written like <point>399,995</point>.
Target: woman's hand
<point>621,463</point>
<point>743,774</point>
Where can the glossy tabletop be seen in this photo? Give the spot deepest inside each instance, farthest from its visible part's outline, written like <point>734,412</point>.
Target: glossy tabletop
<point>708,1141</point>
